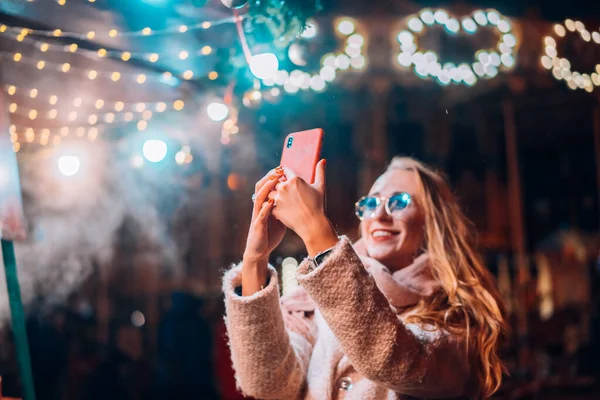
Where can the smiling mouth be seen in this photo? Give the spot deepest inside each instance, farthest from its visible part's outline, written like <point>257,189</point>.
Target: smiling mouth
<point>382,234</point>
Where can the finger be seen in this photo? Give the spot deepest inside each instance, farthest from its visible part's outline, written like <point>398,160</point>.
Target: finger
<point>288,173</point>
<point>269,176</point>
<point>265,211</point>
<point>263,193</point>
<point>273,195</point>
<point>320,176</point>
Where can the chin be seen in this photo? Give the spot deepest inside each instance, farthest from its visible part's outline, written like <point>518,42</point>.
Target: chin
<point>382,251</point>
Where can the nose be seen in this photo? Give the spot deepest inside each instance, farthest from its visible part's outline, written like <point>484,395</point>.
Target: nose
<point>381,214</point>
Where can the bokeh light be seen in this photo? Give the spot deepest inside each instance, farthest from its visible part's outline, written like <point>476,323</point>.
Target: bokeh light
<point>217,111</point>
<point>154,150</point>
<point>69,165</point>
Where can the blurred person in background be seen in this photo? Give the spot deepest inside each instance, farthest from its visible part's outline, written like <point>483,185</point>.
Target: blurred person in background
<point>410,311</point>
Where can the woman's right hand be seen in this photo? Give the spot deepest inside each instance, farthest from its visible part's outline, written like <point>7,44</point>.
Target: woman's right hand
<point>265,234</point>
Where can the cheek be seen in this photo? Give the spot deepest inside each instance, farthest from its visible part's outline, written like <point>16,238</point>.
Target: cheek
<point>364,228</point>
<point>414,223</point>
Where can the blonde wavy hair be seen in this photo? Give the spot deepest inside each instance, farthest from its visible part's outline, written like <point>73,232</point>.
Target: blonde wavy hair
<point>470,304</point>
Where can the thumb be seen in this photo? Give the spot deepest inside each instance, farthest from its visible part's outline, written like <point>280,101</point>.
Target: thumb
<point>320,176</point>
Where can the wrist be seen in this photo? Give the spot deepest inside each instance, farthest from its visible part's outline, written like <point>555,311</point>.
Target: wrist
<point>255,275</point>
<point>319,236</point>
<point>254,260</point>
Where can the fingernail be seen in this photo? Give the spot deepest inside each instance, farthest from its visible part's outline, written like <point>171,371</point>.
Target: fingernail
<point>272,178</point>
<point>271,201</point>
<point>324,162</point>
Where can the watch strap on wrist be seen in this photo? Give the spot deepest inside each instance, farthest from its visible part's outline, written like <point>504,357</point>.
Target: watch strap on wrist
<point>319,258</point>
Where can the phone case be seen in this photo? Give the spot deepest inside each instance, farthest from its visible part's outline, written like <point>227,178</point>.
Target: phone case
<point>301,153</point>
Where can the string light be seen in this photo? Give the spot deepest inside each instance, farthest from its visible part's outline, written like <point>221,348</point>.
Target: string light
<point>560,66</point>
<point>102,53</point>
<point>487,62</point>
<point>142,109</point>
<point>178,105</point>
<point>113,33</point>
<point>92,74</point>
<point>349,56</point>
<point>30,134</point>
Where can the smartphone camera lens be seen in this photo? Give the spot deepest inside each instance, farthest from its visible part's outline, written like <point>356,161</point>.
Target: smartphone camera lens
<point>289,142</point>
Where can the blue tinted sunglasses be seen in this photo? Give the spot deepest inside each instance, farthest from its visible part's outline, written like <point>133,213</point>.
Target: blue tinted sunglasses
<point>367,206</point>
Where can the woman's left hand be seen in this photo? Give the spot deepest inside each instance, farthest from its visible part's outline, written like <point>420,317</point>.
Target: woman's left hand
<point>301,207</point>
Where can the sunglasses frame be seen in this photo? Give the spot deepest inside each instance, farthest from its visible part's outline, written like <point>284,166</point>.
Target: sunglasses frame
<point>381,200</point>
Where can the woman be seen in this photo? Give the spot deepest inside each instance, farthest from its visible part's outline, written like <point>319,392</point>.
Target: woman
<point>409,311</point>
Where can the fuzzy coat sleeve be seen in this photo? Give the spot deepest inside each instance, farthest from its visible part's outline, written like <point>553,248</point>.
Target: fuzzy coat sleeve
<point>402,357</point>
<point>270,361</point>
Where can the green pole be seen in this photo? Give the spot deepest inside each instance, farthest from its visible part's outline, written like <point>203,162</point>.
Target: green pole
<point>18,318</point>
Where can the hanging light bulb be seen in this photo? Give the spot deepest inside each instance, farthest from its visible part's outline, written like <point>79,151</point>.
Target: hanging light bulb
<point>234,4</point>
<point>264,66</point>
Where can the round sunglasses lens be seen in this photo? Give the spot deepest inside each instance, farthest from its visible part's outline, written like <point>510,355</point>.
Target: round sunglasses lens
<point>399,202</point>
<point>366,207</point>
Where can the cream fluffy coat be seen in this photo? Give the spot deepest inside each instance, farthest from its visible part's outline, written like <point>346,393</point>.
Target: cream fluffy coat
<point>356,334</point>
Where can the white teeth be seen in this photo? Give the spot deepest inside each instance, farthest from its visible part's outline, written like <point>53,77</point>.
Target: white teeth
<point>381,234</point>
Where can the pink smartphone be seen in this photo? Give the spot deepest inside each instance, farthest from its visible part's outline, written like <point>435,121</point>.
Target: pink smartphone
<point>301,153</point>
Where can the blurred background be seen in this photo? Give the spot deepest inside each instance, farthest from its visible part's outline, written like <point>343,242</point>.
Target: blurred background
<point>141,127</point>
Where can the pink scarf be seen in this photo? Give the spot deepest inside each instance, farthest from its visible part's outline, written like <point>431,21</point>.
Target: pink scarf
<point>403,289</point>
